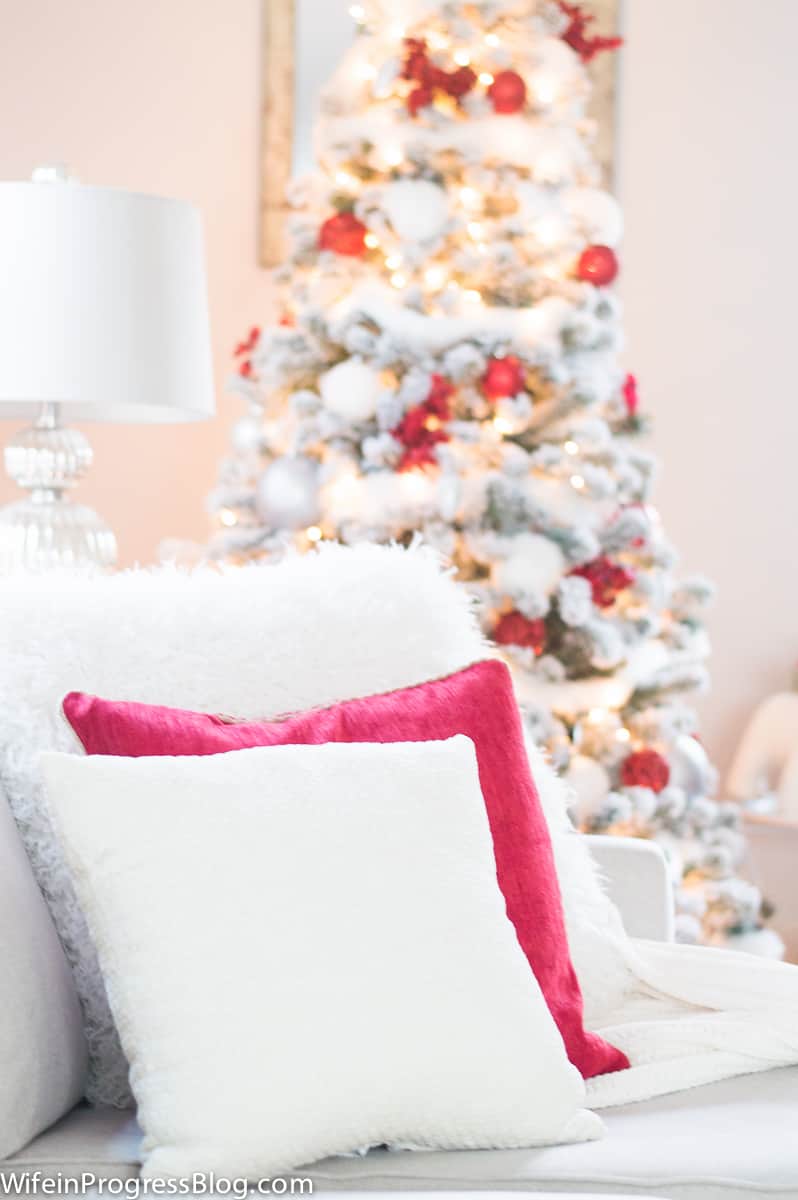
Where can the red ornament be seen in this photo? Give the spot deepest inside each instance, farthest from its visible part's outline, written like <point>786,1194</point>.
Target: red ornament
<point>630,396</point>
<point>575,35</point>
<point>645,768</point>
<point>514,629</point>
<point>597,265</point>
<point>343,234</point>
<point>503,377</point>
<point>507,92</point>
<point>421,428</point>
<point>606,578</point>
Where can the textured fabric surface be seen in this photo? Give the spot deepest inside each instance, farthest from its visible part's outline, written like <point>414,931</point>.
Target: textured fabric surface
<point>42,1048</point>
<point>733,1140</point>
<point>343,971</point>
<point>477,702</point>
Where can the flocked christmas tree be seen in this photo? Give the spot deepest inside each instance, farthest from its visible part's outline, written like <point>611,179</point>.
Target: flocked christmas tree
<point>447,363</point>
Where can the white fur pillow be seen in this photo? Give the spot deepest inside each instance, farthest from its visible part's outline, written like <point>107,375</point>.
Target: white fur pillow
<point>254,642</point>
<point>306,951</point>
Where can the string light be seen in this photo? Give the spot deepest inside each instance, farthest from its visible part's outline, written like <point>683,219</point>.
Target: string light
<point>313,533</point>
<point>470,197</point>
<point>475,230</point>
<point>472,296</point>
<point>597,716</point>
<point>578,483</point>
<point>502,425</point>
<point>345,179</point>
<point>492,39</point>
<point>357,12</point>
<point>398,280</point>
<point>371,240</point>
<point>623,735</point>
<point>393,261</point>
<point>571,448</point>
<point>437,41</point>
<point>432,423</point>
<point>486,79</point>
<point>462,58</point>
<point>228,517</point>
<point>435,277</point>
<point>392,156</point>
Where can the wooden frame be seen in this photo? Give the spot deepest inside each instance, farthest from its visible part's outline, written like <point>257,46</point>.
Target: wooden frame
<point>278,25</point>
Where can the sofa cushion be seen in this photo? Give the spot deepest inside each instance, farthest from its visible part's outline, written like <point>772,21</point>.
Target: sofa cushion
<point>733,1140</point>
<point>42,1048</point>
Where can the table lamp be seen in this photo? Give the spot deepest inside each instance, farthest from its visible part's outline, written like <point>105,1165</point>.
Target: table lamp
<point>103,317</point>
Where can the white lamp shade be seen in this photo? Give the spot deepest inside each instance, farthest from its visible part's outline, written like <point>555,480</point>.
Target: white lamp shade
<point>103,305</point>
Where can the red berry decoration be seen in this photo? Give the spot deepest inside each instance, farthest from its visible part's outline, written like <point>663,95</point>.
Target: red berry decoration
<point>645,768</point>
<point>459,83</point>
<point>514,629</point>
<point>421,428</point>
<point>343,234</point>
<point>575,35</point>
<point>597,265</point>
<point>420,97</point>
<point>606,579</point>
<point>507,93</point>
<point>503,377</point>
<point>630,396</point>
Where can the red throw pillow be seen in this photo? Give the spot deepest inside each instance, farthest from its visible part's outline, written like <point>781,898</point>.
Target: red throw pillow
<point>477,702</point>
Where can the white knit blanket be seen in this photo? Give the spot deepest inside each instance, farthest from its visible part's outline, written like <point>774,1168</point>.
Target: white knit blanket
<point>693,1016</point>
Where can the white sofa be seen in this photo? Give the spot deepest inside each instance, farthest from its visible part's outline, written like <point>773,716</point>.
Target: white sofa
<point>735,1140</point>
<point>204,645</point>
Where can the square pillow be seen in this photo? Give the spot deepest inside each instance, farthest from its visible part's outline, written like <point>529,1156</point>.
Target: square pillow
<point>306,952</point>
<point>477,702</point>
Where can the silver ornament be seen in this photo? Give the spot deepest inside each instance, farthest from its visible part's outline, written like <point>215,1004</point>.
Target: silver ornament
<point>287,494</point>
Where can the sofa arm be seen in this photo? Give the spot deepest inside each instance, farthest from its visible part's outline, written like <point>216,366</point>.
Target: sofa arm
<point>638,882</point>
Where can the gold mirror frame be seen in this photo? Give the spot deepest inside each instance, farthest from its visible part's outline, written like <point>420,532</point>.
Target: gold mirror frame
<point>278,41</point>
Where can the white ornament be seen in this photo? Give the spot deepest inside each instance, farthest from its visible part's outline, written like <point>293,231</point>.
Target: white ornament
<point>591,785</point>
<point>287,494</point>
<point>533,566</point>
<point>350,390</point>
<point>417,209</point>
<point>596,214</point>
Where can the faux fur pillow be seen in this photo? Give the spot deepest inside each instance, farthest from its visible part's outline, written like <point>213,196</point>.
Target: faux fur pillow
<point>326,965</point>
<point>477,702</point>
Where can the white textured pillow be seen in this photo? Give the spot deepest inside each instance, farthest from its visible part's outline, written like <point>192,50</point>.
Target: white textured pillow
<point>306,952</point>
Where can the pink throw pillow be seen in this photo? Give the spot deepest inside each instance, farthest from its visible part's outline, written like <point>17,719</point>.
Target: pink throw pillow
<point>477,702</point>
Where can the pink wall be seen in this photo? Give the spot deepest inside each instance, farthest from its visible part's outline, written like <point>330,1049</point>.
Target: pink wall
<point>162,96</point>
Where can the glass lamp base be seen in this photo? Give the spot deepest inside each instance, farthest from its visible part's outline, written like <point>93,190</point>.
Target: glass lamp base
<point>50,532</point>
<point>45,530</point>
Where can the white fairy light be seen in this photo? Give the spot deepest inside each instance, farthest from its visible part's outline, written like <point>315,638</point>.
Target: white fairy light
<point>502,425</point>
<point>470,197</point>
<point>398,280</point>
<point>462,58</point>
<point>435,277</point>
<point>357,12</point>
<point>346,179</point>
<point>486,79</point>
<point>313,533</point>
<point>437,41</point>
<point>475,230</point>
<point>393,262</point>
<point>571,448</point>
<point>472,296</point>
<point>622,735</point>
<point>597,716</point>
<point>371,240</point>
<point>228,517</point>
<point>392,155</point>
<point>577,482</point>
<point>492,39</point>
